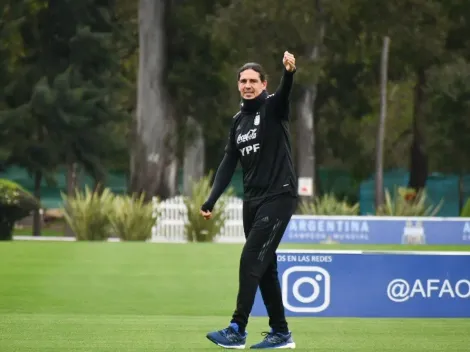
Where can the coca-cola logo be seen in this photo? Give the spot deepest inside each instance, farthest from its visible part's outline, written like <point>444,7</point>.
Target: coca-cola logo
<point>250,135</point>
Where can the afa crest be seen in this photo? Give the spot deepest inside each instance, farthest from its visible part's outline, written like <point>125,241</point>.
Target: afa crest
<point>413,234</point>
<point>256,123</point>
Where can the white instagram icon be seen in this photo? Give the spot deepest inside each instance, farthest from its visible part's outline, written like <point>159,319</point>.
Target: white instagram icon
<point>317,276</point>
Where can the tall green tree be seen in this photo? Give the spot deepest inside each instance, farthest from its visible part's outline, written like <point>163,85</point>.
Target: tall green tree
<point>62,100</point>
<point>448,113</point>
<point>196,79</point>
<point>153,159</point>
<point>418,30</point>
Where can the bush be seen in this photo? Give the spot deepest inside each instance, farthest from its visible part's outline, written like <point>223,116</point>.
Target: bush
<point>406,202</point>
<point>465,213</point>
<point>328,205</point>
<point>87,214</point>
<point>132,218</point>
<point>197,229</point>
<point>15,204</point>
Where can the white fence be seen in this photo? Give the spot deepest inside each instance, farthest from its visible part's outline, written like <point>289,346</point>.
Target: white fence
<point>173,216</point>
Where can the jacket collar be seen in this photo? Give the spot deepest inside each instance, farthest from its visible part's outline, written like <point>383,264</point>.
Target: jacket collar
<point>253,105</point>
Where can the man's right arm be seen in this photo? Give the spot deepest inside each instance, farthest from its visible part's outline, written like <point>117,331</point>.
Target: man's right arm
<point>281,96</point>
<point>222,179</point>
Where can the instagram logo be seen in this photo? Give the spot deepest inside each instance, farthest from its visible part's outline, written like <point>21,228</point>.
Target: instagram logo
<point>306,289</point>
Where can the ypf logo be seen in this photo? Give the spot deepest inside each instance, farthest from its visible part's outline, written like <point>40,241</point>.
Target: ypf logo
<point>306,289</point>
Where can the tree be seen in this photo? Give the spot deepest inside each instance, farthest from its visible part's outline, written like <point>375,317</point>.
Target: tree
<point>196,82</point>
<point>153,158</point>
<point>61,104</point>
<point>447,113</point>
<point>418,30</point>
<point>379,195</point>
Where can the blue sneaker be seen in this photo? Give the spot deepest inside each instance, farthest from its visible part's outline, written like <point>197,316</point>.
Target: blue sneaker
<point>275,340</point>
<point>228,337</point>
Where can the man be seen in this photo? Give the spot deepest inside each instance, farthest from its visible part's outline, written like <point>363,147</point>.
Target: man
<point>259,139</point>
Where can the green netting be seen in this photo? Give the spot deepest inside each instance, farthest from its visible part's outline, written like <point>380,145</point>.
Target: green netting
<point>50,195</point>
<point>439,187</point>
<point>339,182</point>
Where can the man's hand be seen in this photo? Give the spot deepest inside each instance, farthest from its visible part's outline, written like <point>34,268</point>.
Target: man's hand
<point>289,61</point>
<point>206,214</point>
<point>206,210</point>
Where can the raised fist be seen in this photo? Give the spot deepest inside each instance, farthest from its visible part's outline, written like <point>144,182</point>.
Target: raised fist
<point>289,61</point>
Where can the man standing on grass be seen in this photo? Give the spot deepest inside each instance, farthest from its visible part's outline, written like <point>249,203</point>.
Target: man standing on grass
<point>259,138</point>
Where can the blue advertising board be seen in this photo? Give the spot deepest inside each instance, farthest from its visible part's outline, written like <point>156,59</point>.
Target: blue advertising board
<point>377,230</point>
<point>372,284</point>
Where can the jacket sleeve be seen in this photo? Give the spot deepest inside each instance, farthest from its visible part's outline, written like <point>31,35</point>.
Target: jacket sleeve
<point>281,97</point>
<point>224,173</point>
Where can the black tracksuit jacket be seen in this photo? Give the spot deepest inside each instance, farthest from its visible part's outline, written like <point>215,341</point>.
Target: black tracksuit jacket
<point>259,139</point>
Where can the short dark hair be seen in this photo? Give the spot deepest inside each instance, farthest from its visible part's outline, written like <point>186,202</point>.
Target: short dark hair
<point>255,67</point>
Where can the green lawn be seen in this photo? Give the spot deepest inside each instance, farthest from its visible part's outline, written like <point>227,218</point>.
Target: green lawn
<point>83,296</point>
<point>45,232</point>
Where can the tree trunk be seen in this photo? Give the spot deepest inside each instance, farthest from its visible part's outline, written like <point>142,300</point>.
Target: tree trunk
<point>6,226</point>
<point>72,178</point>
<point>72,171</point>
<point>379,163</point>
<point>419,159</point>
<point>306,139</point>
<point>306,155</point>
<point>37,220</point>
<point>461,192</point>
<point>153,159</point>
<point>193,155</point>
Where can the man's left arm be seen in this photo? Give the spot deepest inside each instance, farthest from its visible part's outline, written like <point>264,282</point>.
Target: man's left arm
<point>282,95</point>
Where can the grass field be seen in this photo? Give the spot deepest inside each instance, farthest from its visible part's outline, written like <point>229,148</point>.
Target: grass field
<point>95,297</point>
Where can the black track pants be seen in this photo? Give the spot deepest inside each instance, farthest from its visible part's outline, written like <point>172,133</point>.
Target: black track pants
<point>264,223</point>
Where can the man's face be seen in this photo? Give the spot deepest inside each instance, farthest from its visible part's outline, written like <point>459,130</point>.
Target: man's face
<point>250,84</point>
